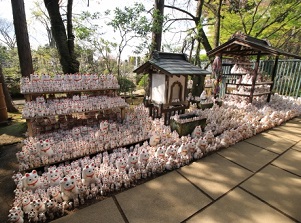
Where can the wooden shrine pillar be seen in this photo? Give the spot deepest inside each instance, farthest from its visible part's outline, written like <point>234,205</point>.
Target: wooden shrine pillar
<point>273,77</point>
<point>254,76</point>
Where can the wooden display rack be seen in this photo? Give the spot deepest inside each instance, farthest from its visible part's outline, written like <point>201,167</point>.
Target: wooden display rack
<point>95,92</point>
<point>51,95</point>
<point>243,46</point>
<point>239,76</point>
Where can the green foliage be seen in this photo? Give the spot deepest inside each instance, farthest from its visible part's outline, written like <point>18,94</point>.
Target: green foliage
<point>96,60</point>
<point>46,60</point>
<point>85,25</point>
<point>126,85</point>
<point>278,21</point>
<point>143,82</point>
<point>9,57</point>
<point>203,57</point>
<point>104,49</point>
<point>12,80</point>
<point>95,52</point>
<point>82,32</point>
<point>158,20</point>
<point>140,47</point>
<point>132,24</point>
<point>130,19</point>
<point>11,70</point>
<point>272,20</point>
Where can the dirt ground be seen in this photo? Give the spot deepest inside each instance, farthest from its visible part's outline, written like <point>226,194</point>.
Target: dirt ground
<point>8,166</point>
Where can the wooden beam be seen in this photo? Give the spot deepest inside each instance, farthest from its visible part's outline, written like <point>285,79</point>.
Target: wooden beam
<point>185,88</point>
<point>254,77</point>
<point>150,83</point>
<point>273,77</point>
<point>166,88</point>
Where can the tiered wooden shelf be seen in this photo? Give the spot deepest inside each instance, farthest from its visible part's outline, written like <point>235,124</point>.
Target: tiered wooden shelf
<point>236,83</point>
<point>29,96</point>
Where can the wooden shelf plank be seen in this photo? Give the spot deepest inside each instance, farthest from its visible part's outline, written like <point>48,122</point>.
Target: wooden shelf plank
<point>238,63</point>
<point>236,74</point>
<point>245,95</point>
<point>70,113</point>
<point>260,94</point>
<point>71,91</point>
<point>258,83</point>
<point>248,95</point>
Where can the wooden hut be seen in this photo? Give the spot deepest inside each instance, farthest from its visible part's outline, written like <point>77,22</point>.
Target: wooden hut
<point>168,79</point>
<point>240,49</point>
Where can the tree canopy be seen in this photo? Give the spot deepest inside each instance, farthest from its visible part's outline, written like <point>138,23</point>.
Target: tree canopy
<point>277,21</point>
<point>130,24</point>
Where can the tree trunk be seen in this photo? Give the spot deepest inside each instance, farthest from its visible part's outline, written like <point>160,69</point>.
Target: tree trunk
<point>74,62</point>
<point>22,37</point>
<point>191,49</point>
<point>198,80</point>
<point>201,35</point>
<point>67,58</point>
<point>51,41</point>
<point>205,41</point>
<point>158,15</point>
<point>8,101</point>
<point>217,24</point>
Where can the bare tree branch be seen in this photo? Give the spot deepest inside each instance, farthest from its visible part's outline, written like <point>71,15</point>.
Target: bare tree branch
<point>254,14</point>
<point>172,21</point>
<point>181,10</point>
<point>7,32</point>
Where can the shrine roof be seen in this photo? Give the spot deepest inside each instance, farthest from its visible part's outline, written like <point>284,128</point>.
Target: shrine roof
<point>170,64</point>
<point>243,45</point>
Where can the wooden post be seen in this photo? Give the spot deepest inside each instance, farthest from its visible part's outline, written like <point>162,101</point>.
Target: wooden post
<point>166,118</point>
<point>167,92</point>
<point>254,77</point>
<point>122,114</point>
<point>150,83</point>
<point>29,127</point>
<point>185,88</point>
<point>273,77</point>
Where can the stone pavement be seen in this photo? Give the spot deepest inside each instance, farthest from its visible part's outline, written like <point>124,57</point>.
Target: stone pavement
<point>256,180</point>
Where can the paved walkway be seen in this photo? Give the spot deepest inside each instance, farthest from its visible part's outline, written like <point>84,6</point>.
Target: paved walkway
<point>256,180</point>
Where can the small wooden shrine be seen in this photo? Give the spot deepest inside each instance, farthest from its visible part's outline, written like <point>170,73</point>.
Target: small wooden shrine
<point>246,79</point>
<point>168,80</point>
